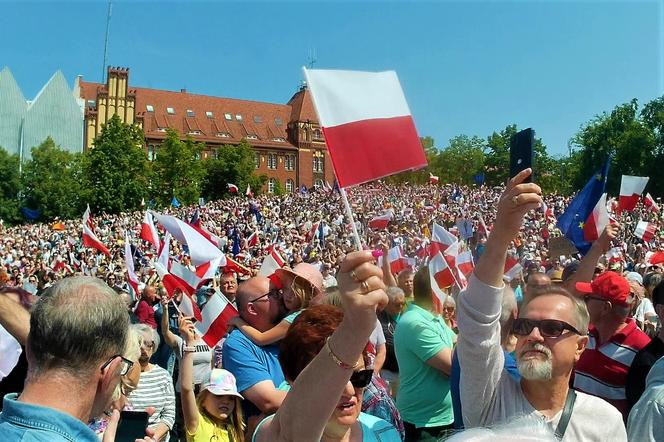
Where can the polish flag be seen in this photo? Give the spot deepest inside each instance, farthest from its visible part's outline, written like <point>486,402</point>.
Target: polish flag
<point>397,260</point>
<point>548,212</point>
<point>650,203</point>
<point>186,277</point>
<point>441,239</point>
<point>311,234</point>
<point>464,263</point>
<point>149,231</point>
<point>201,250</point>
<point>631,188</point>
<point>645,231</point>
<point>195,222</point>
<point>597,220</point>
<point>656,258</point>
<point>189,307</point>
<point>232,188</point>
<point>234,266</point>
<point>252,241</point>
<point>441,272</point>
<point>433,179</point>
<point>170,282</point>
<point>216,314</point>
<point>511,269</point>
<point>381,222</point>
<point>165,251</point>
<point>129,262</point>
<point>249,193</point>
<point>614,254</point>
<point>367,124</point>
<point>271,263</point>
<point>89,237</point>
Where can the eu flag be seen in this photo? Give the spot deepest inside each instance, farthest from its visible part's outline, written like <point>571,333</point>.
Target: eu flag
<point>175,203</point>
<point>572,221</point>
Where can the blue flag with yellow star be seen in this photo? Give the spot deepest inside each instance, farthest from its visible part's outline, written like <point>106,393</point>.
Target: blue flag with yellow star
<point>572,221</point>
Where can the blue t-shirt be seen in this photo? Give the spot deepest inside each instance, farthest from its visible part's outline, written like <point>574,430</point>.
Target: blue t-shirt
<point>455,379</point>
<point>251,364</point>
<point>374,429</point>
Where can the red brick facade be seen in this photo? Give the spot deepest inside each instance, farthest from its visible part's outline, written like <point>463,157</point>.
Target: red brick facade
<point>287,139</point>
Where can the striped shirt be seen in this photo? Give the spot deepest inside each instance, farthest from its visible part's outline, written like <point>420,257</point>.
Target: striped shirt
<point>155,389</point>
<point>602,370</point>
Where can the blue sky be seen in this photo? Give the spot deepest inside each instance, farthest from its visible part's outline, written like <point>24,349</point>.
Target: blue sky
<point>466,67</point>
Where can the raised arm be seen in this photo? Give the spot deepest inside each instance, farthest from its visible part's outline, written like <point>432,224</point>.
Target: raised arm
<point>14,317</point>
<point>169,337</point>
<point>267,337</point>
<point>388,278</point>
<point>187,396</point>
<point>316,392</point>
<point>480,355</point>
<point>589,262</point>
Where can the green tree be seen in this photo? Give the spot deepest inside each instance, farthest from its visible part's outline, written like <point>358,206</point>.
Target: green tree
<point>232,165</point>
<point>116,169</point>
<point>177,170</point>
<point>278,188</point>
<point>10,185</point>
<point>460,160</point>
<point>52,182</point>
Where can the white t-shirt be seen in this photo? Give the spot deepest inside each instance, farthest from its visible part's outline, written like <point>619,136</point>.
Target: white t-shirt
<point>202,361</point>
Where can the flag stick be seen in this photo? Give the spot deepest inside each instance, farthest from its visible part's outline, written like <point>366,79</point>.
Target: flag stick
<point>349,213</point>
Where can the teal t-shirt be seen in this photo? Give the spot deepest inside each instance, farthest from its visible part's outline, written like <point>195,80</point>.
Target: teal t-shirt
<point>291,317</point>
<point>424,398</point>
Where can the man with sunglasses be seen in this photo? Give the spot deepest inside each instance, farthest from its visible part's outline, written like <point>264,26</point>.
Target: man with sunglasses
<point>551,336</point>
<point>256,369</point>
<point>78,330</point>
<point>614,342</point>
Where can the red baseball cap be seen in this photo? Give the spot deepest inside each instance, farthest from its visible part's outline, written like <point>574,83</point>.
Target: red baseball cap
<point>610,286</point>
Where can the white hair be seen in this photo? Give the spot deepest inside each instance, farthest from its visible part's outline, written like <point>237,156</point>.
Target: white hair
<point>520,429</point>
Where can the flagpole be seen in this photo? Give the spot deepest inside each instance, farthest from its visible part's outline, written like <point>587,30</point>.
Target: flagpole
<point>349,213</point>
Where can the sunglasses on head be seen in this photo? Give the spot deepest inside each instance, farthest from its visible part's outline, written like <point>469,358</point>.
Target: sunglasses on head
<point>361,378</point>
<point>549,328</point>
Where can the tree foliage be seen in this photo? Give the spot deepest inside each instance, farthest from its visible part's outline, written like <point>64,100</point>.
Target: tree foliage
<point>52,182</point>
<point>232,165</point>
<point>177,170</point>
<point>116,169</point>
<point>460,160</point>
<point>10,186</point>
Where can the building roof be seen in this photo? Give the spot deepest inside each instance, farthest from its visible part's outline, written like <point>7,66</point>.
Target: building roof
<point>211,119</point>
<point>302,106</point>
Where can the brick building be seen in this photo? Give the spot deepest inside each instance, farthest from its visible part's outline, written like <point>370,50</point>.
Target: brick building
<point>287,139</point>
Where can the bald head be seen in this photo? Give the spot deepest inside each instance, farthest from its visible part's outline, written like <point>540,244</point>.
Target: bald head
<point>251,289</point>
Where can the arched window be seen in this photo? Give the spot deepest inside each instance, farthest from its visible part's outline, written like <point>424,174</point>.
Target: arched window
<point>272,161</point>
<point>319,163</point>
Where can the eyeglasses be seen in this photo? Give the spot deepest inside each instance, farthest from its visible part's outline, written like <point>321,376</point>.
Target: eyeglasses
<point>124,368</point>
<point>361,378</point>
<point>549,328</point>
<point>274,294</point>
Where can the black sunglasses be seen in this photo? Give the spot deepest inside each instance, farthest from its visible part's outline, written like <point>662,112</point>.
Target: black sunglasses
<point>361,378</point>
<point>549,328</point>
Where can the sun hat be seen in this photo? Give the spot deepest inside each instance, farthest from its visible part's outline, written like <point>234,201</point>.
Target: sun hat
<point>303,270</point>
<point>221,383</point>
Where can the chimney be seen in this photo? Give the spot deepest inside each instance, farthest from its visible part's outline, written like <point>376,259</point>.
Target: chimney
<point>184,91</point>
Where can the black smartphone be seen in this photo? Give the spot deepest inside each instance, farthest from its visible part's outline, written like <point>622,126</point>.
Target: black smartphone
<point>132,426</point>
<point>522,152</point>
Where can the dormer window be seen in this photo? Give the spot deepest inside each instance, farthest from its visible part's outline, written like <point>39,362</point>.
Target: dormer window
<point>149,108</point>
<point>170,110</point>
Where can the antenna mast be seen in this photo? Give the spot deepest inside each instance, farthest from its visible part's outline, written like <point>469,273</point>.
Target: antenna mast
<point>108,27</point>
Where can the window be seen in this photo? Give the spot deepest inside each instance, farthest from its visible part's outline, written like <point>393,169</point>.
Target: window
<point>222,135</point>
<point>272,161</point>
<point>257,160</point>
<point>278,121</point>
<point>161,129</point>
<point>279,140</point>
<point>319,164</point>
<point>238,117</point>
<point>258,119</point>
<point>209,114</point>
<point>318,135</point>
<point>92,103</point>
<point>290,162</point>
<point>228,117</point>
<point>252,137</point>
<point>318,184</point>
<point>270,185</point>
<point>289,185</point>
<point>198,155</point>
<point>170,110</point>
<point>190,113</point>
<point>194,132</point>
<point>149,108</point>
<point>152,152</point>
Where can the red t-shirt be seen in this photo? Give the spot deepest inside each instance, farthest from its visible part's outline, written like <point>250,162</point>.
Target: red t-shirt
<point>145,314</point>
<point>602,371</point>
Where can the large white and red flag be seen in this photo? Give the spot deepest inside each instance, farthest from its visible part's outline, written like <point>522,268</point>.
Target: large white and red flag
<point>441,239</point>
<point>645,231</point>
<point>201,250</point>
<point>271,263</point>
<point>129,262</point>
<point>149,231</point>
<point>232,188</point>
<point>650,203</point>
<point>398,262</point>
<point>235,267</point>
<point>187,278</point>
<point>381,221</point>
<point>631,188</point>
<point>464,263</point>
<point>656,258</point>
<point>172,284</point>
<point>441,277</point>
<point>596,221</point>
<point>89,237</point>
<point>163,257</point>
<point>512,268</point>
<point>368,127</point>
<point>216,314</point>
<point>433,179</point>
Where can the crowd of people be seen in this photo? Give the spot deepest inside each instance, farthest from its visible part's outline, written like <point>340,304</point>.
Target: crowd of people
<point>334,346</point>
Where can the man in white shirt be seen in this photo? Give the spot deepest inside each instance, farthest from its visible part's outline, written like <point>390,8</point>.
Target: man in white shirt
<point>551,335</point>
